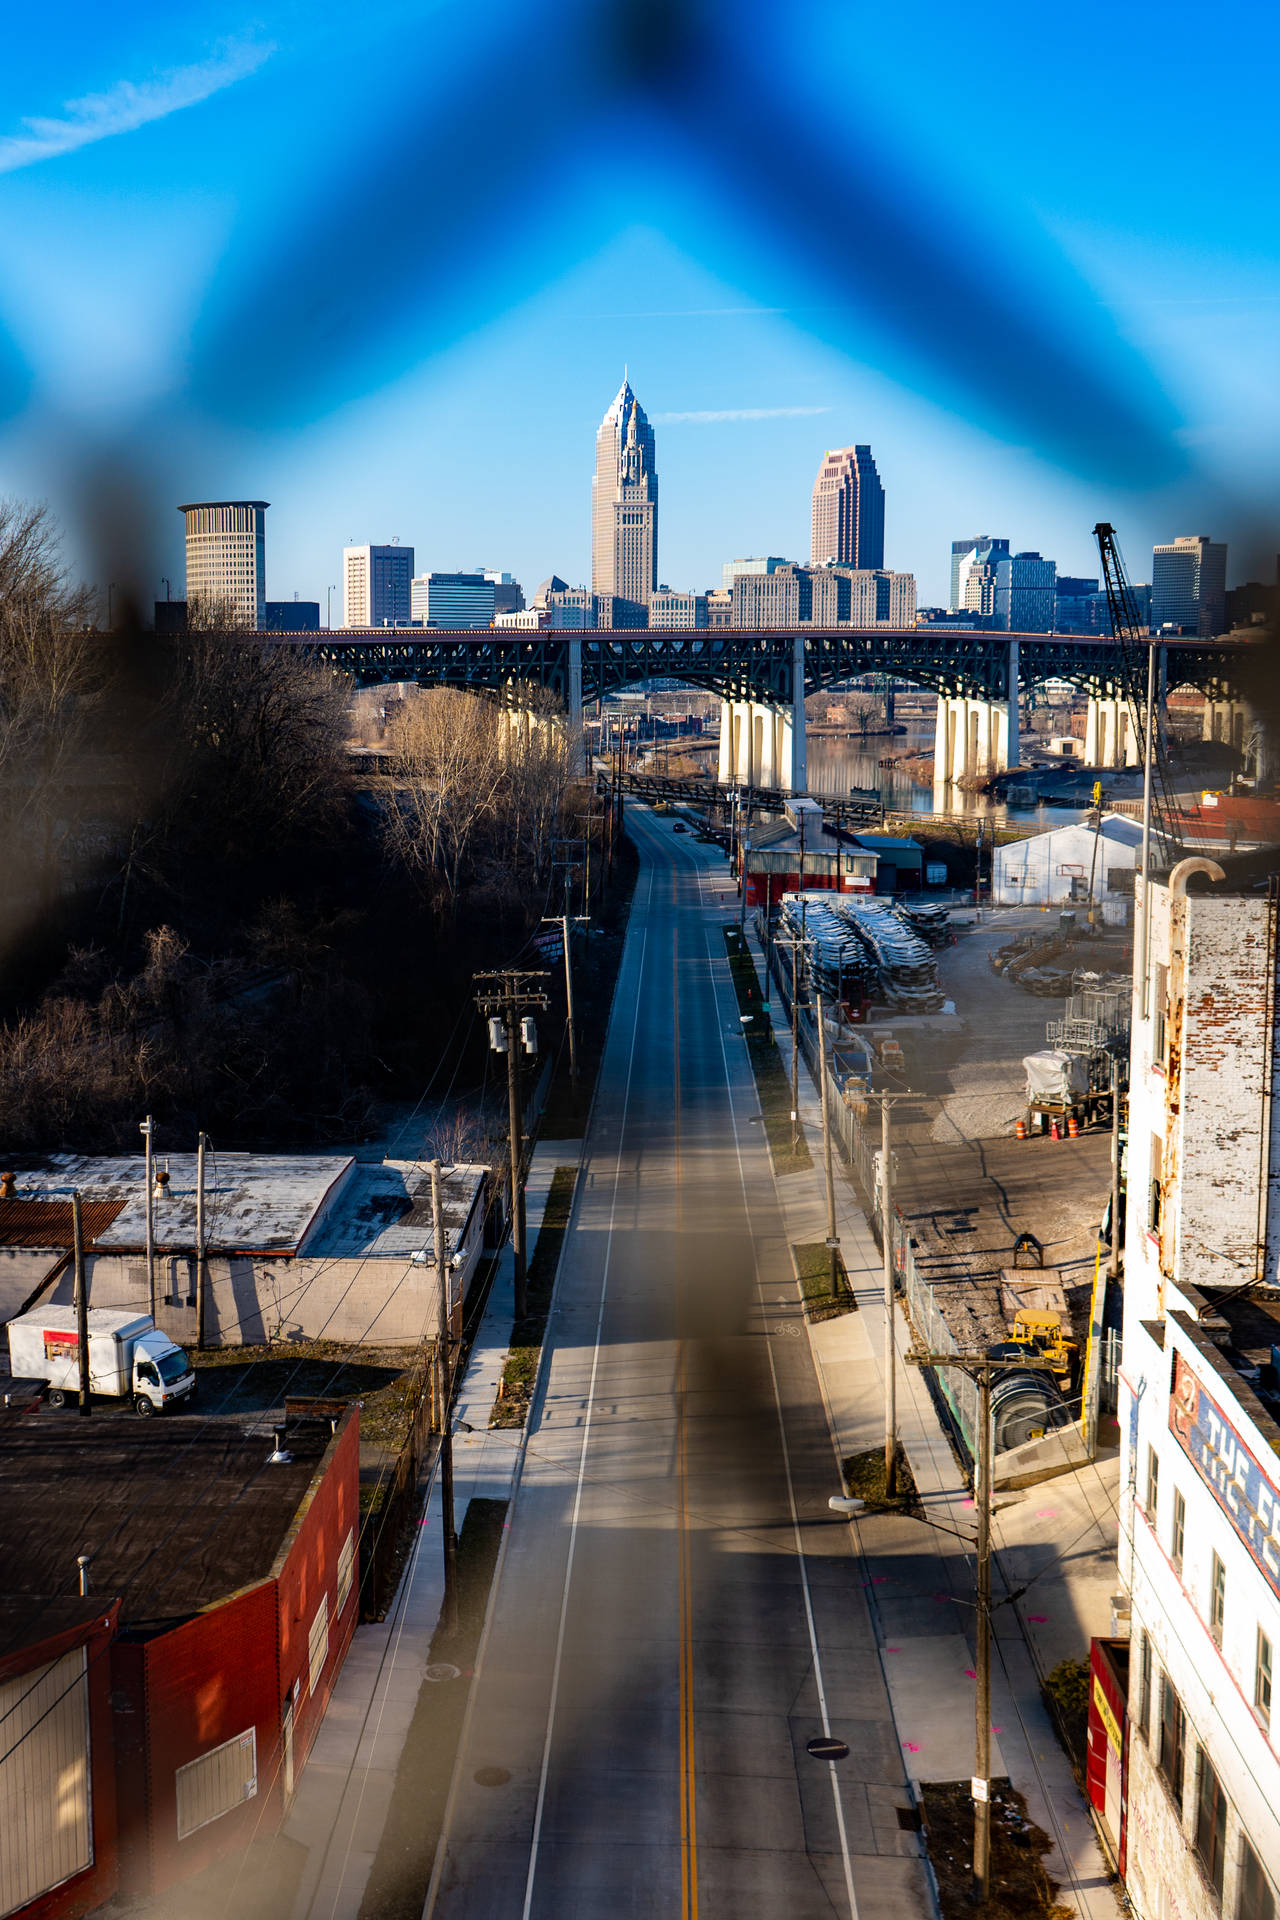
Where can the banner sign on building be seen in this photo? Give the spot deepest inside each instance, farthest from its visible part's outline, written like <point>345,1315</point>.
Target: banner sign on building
<point>1249,1499</point>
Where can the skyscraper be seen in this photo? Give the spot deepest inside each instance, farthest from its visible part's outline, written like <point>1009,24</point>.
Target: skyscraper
<point>1032,591</point>
<point>1189,585</point>
<point>848,510</point>
<point>624,503</point>
<point>964,554</point>
<point>375,586</point>
<point>226,558</point>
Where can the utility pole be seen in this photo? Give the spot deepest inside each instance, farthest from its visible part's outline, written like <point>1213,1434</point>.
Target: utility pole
<point>795,943</point>
<point>564,921</point>
<point>82,1304</point>
<point>833,1238</point>
<point>202,1141</point>
<point>1113,1258</point>
<point>144,1127</point>
<point>444,1398</point>
<point>507,999</point>
<point>886,1247</point>
<point>981,1368</point>
<point>890,1347</point>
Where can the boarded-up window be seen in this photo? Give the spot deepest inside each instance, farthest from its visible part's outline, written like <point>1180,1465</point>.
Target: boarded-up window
<point>346,1567</point>
<point>45,1834</point>
<point>224,1778</point>
<point>318,1642</point>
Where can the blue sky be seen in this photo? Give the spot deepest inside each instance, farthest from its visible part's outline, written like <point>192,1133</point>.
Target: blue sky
<point>384,270</point>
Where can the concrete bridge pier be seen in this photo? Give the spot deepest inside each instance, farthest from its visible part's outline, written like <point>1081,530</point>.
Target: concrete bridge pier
<point>973,739</point>
<point>1227,720</point>
<point>1111,738</point>
<point>764,745</point>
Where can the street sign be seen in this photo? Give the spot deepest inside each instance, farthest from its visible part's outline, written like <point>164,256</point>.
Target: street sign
<point>980,1789</point>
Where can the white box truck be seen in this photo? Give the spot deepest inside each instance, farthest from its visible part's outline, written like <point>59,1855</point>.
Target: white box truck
<point>129,1357</point>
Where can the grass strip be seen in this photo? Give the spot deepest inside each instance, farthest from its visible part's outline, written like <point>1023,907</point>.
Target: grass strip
<point>813,1264</point>
<point>521,1370</point>
<point>772,1085</point>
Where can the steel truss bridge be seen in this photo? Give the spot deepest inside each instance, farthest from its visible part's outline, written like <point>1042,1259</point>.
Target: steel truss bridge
<point>760,664</point>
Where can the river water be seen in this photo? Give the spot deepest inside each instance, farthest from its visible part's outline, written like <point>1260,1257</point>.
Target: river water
<point>835,765</point>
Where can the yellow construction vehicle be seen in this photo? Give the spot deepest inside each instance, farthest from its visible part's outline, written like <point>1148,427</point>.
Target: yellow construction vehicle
<point>1046,1341</point>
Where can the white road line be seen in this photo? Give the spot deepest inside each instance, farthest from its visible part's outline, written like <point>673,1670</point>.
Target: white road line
<point>786,1462</point>
<point>586,1435</point>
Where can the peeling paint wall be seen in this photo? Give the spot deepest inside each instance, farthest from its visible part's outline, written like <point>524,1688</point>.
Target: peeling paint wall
<point>1216,1101</point>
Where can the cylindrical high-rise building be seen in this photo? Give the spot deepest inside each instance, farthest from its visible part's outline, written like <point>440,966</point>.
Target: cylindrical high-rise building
<point>624,503</point>
<point>848,510</point>
<point>226,558</point>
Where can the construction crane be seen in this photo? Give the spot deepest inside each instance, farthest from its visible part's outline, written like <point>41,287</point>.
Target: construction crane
<point>1131,642</point>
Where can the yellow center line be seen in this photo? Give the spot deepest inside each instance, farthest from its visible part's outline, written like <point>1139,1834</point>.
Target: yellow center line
<point>688,1788</point>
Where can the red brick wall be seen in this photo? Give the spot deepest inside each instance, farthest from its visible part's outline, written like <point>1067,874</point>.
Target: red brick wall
<point>311,1569</point>
<point>204,1682</point>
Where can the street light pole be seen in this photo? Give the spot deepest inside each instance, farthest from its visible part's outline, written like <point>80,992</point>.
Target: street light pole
<point>202,1142</point>
<point>504,998</point>
<point>82,1304</point>
<point>328,606</point>
<point>144,1128</point>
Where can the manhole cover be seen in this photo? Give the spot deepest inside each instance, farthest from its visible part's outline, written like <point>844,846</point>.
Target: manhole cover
<point>491,1776</point>
<point>441,1670</point>
<point>825,1748</point>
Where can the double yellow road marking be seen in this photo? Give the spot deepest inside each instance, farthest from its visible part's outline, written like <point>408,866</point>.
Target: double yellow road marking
<point>688,1779</point>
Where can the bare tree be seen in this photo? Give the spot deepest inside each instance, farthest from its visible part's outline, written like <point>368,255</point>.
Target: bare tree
<point>51,679</point>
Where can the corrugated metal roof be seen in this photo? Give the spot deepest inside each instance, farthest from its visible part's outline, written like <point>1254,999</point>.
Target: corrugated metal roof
<point>47,1223</point>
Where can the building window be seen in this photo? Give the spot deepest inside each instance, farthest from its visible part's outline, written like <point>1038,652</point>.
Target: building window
<point>217,1782</point>
<point>1211,1824</point>
<point>1262,1680</point>
<point>1153,1191</point>
<point>1217,1599</point>
<point>1159,1015</point>
<point>318,1643</point>
<point>346,1565</point>
<point>1178,1538</point>
<point>1153,1485</point>
<point>1173,1737</point>
<point>1144,1686</point>
<point>1256,1900</point>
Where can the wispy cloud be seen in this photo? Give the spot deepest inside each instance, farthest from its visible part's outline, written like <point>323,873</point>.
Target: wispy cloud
<point>129,105</point>
<point>716,414</point>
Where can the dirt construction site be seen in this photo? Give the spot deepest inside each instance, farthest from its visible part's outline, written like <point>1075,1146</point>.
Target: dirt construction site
<point>966,1186</point>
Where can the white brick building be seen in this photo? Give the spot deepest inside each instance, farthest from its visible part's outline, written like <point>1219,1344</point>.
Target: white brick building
<point>1199,1547</point>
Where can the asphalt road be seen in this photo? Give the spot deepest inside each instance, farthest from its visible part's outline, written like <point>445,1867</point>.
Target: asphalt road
<point>676,1614</point>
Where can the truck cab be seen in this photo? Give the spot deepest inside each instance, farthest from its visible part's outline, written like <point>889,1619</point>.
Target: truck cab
<point>162,1374</point>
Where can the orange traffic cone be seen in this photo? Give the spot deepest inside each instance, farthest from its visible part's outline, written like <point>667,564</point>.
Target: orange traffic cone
<point>1073,1127</point>
<point>1021,1130</point>
<point>1054,1132</point>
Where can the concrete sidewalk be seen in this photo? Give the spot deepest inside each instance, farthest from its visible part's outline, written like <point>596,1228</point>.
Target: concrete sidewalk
<point>921,1578</point>
<point>344,1792</point>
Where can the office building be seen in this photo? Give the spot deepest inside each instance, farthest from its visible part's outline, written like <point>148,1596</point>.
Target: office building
<point>451,600</point>
<point>615,610</point>
<point>1071,590</point>
<point>226,559</point>
<point>292,616</point>
<point>1189,585</point>
<point>720,606</point>
<point>964,554</point>
<point>508,594</point>
<point>1032,589</point>
<point>760,563</point>
<point>624,503</point>
<point>376,586</point>
<point>824,597</point>
<point>677,610</point>
<point>1199,1416</point>
<point>987,581</point>
<point>848,510</point>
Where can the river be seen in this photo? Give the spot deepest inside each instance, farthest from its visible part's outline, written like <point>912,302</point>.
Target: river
<point>837,764</point>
